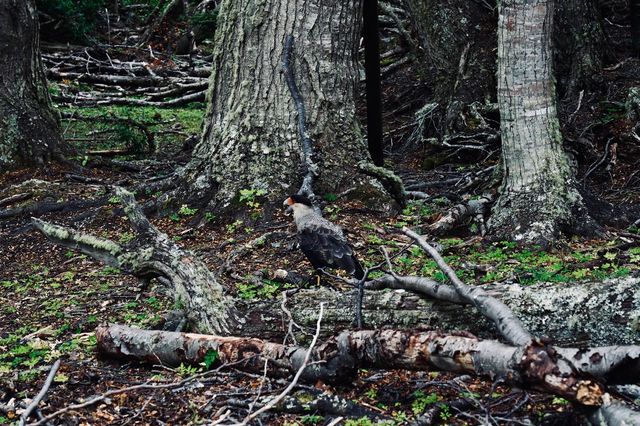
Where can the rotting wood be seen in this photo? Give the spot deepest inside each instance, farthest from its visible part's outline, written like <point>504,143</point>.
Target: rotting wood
<point>458,214</point>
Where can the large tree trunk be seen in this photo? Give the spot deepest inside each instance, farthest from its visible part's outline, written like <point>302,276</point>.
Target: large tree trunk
<point>459,61</point>
<point>579,41</point>
<point>29,131</point>
<point>538,198</point>
<point>251,137</point>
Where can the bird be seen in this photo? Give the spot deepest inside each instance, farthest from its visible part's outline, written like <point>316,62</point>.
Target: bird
<point>322,241</point>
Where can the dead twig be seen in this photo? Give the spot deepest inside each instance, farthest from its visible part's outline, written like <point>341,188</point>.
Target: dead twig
<point>41,394</point>
<point>296,378</point>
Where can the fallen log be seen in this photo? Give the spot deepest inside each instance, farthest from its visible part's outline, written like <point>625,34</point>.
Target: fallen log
<point>337,360</point>
<point>564,313</point>
<point>120,80</point>
<point>559,311</point>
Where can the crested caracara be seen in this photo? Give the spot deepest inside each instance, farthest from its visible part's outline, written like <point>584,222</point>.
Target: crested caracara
<point>321,241</point>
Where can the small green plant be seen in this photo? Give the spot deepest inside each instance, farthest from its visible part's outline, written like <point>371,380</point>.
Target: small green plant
<point>559,401</point>
<point>371,393</point>
<point>186,370</point>
<point>362,421</point>
<point>311,419</point>
<point>247,291</point>
<point>248,197</point>
<point>374,239</point>
<point>232,227</point>
<point>210,357</point>
<point>126,237</point>
<point>445,412</point>
<point>209,216</point>
<point>153,302</point>
<point>330,198</point>
<point>186,211</point>
<point>68,276</point>
<point>114,200</point>
<point>422,400</point>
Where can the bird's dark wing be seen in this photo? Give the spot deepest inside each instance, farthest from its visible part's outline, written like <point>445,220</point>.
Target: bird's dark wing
<point>325,248</point>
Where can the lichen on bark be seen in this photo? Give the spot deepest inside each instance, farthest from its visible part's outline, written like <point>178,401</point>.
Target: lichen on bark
<point>538,197</point>
<point>250,136</point>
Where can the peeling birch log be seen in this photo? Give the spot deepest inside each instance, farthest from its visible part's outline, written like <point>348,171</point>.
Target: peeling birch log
<point>152,254</point>
<point>472,209</point>
<point>340,357</point>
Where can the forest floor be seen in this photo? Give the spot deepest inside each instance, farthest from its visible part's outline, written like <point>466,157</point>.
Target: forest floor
<point>51,298</point>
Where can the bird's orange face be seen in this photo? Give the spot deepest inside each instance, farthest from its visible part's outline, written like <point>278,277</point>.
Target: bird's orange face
<point>288,203</point>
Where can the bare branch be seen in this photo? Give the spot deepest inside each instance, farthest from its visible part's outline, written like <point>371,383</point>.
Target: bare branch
<point>509,325</point>
<point>45,387</point>
<point>296,378</point>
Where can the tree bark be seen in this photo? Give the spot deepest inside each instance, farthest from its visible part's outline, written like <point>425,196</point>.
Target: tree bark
<point>579,42</point>
<point>250,136</point>
<point>29,130</point>
<point>459,63</point>
<point>538,198</point>
<point>563,313</point>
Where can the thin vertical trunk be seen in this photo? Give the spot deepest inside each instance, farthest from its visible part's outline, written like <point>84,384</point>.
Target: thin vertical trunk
<point>372,69</point>
<point>250,138</point>
<point>634,6</point>
<point>538,198</point>
<point>29,131</point>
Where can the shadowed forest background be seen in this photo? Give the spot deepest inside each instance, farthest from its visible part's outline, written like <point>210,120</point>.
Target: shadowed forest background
<point>145,151</point>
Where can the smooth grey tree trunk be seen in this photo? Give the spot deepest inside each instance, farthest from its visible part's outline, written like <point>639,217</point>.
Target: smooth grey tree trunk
<point>250,138</point>
<point>29,131</point>
<point>538,198</point>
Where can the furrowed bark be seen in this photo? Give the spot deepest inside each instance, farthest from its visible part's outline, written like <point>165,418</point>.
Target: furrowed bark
<point>250,136</point>
<point>29,130</point>
<point>341,356</point>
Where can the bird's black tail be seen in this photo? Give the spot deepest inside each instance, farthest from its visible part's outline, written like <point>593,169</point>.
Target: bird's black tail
<point>358,272</point>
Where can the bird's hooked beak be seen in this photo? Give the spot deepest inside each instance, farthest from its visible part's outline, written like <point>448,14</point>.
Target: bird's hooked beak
<point>288,204</point>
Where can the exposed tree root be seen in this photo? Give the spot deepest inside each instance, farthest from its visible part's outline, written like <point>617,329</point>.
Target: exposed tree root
<point>153,253</point>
